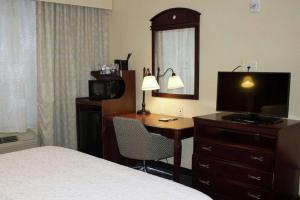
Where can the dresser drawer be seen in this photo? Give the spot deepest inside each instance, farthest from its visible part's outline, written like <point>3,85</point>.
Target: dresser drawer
<point>215,196</point>
<point>252,156</point>
<point>232,171</point>
<point>227,187</point>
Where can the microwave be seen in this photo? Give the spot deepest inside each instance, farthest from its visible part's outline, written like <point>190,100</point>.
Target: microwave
<point>106,88</point>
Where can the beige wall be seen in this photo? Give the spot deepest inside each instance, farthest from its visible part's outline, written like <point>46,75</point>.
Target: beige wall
<point>229,36</point>
<point>106,4</point>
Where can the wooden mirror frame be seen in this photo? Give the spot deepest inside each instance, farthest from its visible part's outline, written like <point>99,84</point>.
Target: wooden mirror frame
<point>185,18</point>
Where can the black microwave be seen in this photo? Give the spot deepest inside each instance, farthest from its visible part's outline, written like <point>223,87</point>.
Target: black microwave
<point>106,88</point>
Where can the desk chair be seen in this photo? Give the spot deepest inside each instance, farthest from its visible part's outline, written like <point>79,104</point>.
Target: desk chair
<point>136,142</point>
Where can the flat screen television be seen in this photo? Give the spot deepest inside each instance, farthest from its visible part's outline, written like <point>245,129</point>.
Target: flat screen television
<point>264,94</point>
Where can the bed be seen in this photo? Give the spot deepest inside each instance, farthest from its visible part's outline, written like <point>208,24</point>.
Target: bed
<point>55,173</point>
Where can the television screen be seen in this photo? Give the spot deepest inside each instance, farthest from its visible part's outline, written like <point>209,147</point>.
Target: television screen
<point>261,93</point>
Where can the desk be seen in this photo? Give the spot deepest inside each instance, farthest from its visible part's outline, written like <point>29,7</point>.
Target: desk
<point>177,130</point>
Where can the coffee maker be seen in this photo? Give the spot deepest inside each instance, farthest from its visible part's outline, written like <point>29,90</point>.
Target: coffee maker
<point>123,64</point>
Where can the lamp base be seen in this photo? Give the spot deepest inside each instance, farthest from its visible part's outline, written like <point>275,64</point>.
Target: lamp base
<point>143,112</point>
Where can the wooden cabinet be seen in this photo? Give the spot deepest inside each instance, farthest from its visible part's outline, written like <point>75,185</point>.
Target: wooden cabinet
<point>91,137</point>
<point>89,126</point>
<point>234,161</point>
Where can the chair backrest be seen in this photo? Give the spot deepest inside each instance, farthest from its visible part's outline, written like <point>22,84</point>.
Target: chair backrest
<point>133,139</point>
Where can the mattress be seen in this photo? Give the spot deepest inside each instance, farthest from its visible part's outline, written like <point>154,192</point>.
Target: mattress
<point>55,173</point>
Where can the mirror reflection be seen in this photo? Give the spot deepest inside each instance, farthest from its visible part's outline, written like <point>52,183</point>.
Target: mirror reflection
<point>176,49</point>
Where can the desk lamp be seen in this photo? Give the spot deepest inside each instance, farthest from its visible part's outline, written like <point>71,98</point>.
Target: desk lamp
<point>149,83</point>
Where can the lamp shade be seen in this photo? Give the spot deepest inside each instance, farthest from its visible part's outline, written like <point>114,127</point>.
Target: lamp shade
<point>175,82</point>
<point>150,83</point>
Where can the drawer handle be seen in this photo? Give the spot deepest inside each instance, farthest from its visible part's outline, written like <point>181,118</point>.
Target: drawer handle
<point>209,148</point>
<point>257,178</point>
<point>204,182</point>
<point>253,196</point>
<point>204,165</point>
<point>258,158</point>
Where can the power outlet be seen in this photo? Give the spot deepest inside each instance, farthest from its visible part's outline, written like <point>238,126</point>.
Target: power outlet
<point>180,112</point>
<point>252,65</point>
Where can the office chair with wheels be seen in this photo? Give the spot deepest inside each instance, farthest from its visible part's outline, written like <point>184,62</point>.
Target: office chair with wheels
<point>136,142</point>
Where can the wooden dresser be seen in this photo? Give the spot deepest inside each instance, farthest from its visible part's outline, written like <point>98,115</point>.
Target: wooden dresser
<point>233,161</point>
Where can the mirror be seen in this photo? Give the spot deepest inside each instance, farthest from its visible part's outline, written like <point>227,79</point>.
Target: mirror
<point>175,45</point>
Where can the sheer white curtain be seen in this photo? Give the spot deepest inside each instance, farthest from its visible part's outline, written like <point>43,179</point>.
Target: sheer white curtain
<point>18,104</point>
<point>72,41</point>
<point>176,49</point>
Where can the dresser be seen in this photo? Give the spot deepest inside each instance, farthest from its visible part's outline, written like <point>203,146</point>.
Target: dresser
<point>233,161</point>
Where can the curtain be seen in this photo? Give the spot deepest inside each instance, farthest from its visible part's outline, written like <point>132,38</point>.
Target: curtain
<point>18,96</point>
<point>71,41</point>
<point>176,49</point>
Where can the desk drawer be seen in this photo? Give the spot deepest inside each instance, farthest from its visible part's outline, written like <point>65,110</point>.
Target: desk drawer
<point>232,171</point>
<point>234,189</point>
<point>253,157</point>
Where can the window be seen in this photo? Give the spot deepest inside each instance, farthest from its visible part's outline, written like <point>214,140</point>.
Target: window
<point>18,103</point>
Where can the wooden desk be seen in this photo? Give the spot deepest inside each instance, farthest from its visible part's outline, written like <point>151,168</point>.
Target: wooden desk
<point>176,130</point>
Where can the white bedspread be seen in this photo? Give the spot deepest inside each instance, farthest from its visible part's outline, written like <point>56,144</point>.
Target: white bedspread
<point>54,173</point>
